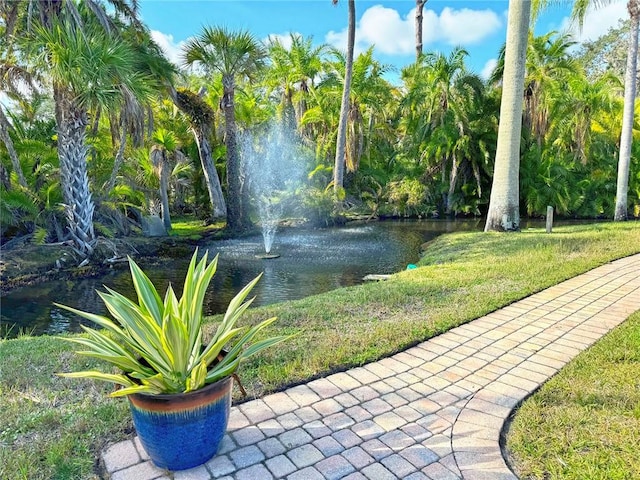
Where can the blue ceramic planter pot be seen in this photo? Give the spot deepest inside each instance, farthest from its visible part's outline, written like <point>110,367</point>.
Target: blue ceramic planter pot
<point>183,430</point>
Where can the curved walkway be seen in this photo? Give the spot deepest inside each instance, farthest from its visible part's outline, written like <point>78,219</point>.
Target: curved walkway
<point>434,411</point>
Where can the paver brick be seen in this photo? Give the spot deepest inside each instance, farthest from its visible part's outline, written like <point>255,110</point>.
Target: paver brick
<point>305,455</point>
<point>357,457</point>
<point>254,472</point>
<point>419,455</point>
<point>140,471</point>
<point>364,393</point>
<point>197,473</point>
<point>249,435</point>
<point>308,473</point>
<point>246,456</point>
<point>338,421</point>
<point>294,438</point>
<point>256,411</point>
<point>357,413</point>
<point>377,471</point>
<point>389,421</point>
<point>280,466</point>
<point>398,465</point>
<point>324,388</point>
<point>280,403</point>
<point>437,471</point>
<point>343,381</point>
<point>271,447</point>
<point>328,446</point>
<point>347,438</point>
<point>397,440</point>
<point>317,429</point>
<point>141,451</point>
<point>346,400</point>
<point>220,465</point>
<point>327,407</point>
<point>120,455</point>
<point>334,467</point>
<point>376,406</point>
<point>367,429</point>
<point>303,395</point>
<point>355,476</point>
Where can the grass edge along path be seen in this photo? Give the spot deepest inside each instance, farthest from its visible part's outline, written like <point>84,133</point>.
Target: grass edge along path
<point>584,423</point>
<point>55,428</point>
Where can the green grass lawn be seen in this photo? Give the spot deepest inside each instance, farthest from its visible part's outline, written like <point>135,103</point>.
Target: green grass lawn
<point>585,422</point>
<point>54,428</point>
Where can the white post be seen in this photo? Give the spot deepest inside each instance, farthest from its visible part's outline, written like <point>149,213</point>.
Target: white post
<point>549,219</point>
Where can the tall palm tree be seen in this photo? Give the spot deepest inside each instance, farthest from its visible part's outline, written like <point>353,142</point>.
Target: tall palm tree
<point>626,138</point>
<point>164,146</point>
<point>419,9</point>
<point>441,94</point>
<point>235,55</point>
<point>87,68</point>
<point>201,119</point>
<point>293,70</point>
<point>504,212</point>
<point>341,141</point>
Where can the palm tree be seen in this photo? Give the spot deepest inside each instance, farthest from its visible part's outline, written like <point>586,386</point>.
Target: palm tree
<point>293,70</point>
<point>504,212</point>
<point>201,119</point>
<point>419,9</point>
<point>441,96</point>
<point>341,141</point>
<point>626,138</point>
<point>87,68</point>
<point>164,146</point>
<point>235,55</point>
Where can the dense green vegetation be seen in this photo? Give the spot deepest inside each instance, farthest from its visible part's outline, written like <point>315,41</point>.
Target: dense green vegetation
<point>54,427</point>
<point>583,423</point>
<point>156,140</point>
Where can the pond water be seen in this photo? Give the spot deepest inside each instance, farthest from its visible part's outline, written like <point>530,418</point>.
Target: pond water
<point>311,262</point>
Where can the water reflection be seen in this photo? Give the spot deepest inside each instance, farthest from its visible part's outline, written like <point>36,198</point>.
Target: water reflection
<point>311,262</point>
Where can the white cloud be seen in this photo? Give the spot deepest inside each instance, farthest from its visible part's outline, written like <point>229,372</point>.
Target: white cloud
<point>488,68</point>
<point>394,34</point>
<point>171,49</point>
<point>468,27</point>
<point>597,21</point>
<point>283,38</point>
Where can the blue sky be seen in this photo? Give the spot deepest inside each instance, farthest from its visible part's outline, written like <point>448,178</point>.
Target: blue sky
<point>478,26</point>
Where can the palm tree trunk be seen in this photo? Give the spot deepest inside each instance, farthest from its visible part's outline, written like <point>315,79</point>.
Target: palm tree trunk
<point>419,10</point>
<point>117,161</point>
<point>504,213</point>
<point>453,181</point>
<point>338,170</point>
<point>200,131</point>
<point>626,137</point>
<point>8,143</point>
<point>72,151</point>
<point>210,173</point>
<point>236,214</point>
<point>164,192</point>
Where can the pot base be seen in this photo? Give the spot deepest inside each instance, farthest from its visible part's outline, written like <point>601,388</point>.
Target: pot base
<point>183,430</point>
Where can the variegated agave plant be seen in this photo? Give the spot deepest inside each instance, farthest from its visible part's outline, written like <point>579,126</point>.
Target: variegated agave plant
<point>158,344</point>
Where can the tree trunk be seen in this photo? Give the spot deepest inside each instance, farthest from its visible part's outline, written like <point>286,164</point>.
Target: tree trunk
<point>201,129</point>
<point>210,173</point>
<point>338,170</point>
<point>117,161</point>
<point>236,214</point>
<point>72,151</point>
<point>6,139</point>
<point>504,213</point>
<point>419,10</point>
<point>164,191</point>
<point>626,137</point>
<point>453,181</point>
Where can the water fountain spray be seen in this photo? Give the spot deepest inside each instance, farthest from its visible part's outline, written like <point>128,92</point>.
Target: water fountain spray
<point>272,162</point>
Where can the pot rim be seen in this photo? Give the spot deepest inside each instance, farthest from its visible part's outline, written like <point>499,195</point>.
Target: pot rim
<point>172,396</point>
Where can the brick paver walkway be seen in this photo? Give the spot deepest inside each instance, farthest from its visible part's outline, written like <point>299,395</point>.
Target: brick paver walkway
<point>434,411</point>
